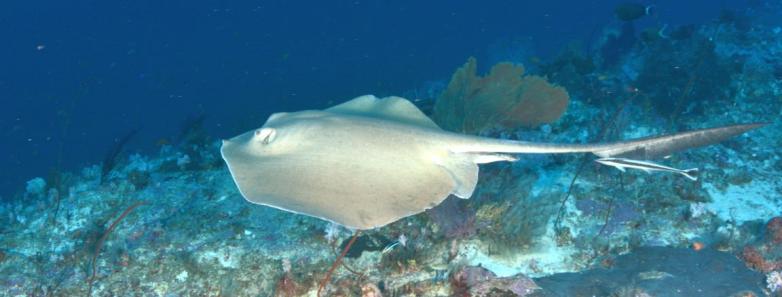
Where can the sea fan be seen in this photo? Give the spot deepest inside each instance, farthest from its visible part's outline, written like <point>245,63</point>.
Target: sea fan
<point>505,97</point>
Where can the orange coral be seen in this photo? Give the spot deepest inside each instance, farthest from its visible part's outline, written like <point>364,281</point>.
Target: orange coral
<point>697,246</point>
<point>774,229</point>
<point>755,260</point>
<point>505,97</point>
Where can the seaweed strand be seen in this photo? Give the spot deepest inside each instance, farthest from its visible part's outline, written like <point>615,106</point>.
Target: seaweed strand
<point>110,159</point>
<point>326,279</point>
<point>103,239</point>
<point>603,132</point>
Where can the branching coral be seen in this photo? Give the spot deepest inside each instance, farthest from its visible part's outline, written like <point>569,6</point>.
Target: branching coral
<point>510,217</point>
<point>505,97</point>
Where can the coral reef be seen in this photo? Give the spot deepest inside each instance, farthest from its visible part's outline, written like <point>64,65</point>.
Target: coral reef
<point>504,97</point>
<point>113,154</point>
<point>479,282</point>
<point>679,76</point>
<point>658,271</point>
<point>774,230</point>
<point>102,239</point>
<point>765,253</point>
<point>774,281</point>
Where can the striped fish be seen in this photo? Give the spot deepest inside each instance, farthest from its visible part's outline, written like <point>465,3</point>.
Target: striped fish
<point>648,167</point>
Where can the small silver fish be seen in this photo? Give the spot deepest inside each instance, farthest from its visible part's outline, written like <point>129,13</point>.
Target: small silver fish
<point>622,163</point>
<point>389,247</point>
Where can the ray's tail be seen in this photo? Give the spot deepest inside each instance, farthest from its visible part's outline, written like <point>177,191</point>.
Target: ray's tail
<point>643,148</point>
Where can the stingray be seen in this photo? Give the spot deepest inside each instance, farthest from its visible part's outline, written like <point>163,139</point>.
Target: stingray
<point>369,162</point>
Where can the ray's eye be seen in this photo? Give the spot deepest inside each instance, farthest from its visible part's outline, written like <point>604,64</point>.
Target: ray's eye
<point>265,135</point>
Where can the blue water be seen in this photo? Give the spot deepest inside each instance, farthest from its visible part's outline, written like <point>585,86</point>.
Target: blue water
<point>107,67</point>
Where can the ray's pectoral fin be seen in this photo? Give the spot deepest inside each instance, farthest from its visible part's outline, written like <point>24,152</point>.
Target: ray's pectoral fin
<point>491,158</point>
<point>464,173</point>
<point>392,108</point>
<point>463,169</point>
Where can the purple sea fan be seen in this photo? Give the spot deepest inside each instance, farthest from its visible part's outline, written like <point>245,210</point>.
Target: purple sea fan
<point>453,218</point>
<point>519,285</point>
<point>622,213</point>
<point>477,281</point>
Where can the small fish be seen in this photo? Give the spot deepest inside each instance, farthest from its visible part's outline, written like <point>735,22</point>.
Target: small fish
<point>654,274</point>
<point>622,163</point>
<point>389,247</point>
<point>632,11</point>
